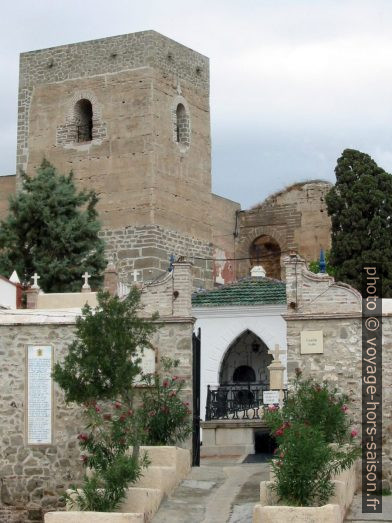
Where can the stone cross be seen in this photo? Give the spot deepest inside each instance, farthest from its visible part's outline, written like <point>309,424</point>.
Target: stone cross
<point>276,352</point>
<point>135,274</point>
<point>86,276</point>
<point>35,278</point>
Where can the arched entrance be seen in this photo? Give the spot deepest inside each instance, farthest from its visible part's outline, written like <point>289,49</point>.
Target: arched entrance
<point>246,361</point>
<point>266,251</point>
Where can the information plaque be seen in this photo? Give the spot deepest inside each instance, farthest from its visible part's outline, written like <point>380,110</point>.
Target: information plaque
<point>312,342</point>
<point>39,395</point>
<point>270,397</point>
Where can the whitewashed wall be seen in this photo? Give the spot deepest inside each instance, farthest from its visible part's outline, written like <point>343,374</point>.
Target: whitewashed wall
<point>220,326</point>
<point>7,294</point>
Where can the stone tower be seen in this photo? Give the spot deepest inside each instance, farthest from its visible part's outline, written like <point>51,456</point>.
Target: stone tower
<point>130,116</point>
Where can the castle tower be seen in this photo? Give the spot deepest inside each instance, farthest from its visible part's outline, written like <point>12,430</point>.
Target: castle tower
<point>130,116</point>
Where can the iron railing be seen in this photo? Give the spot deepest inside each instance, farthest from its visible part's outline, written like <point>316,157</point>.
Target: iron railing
<point>240,401</point>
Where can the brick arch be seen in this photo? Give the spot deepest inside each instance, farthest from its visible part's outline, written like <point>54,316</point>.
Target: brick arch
<point>80,95</point>
<point>180,100</point>
<point>246,240</point>
<point>66,133</point>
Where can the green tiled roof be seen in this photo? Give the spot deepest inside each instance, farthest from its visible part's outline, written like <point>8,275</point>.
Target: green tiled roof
<point>248,291</point>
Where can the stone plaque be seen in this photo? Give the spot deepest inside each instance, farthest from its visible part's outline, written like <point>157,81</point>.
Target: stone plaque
<point>147,364</point>
<point>270,397</point>
<point>312,342</point>
<point>39,394</point>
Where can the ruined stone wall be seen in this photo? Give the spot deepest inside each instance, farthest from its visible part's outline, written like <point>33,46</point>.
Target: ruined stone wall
<point>33,477</point>
<point>7,188</point>
<point>296,218</point>
<point>318,303</point>
<point>223,222</point>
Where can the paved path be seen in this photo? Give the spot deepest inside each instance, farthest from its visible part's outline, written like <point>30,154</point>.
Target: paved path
<point>355,515</point>
<point>217,492</point>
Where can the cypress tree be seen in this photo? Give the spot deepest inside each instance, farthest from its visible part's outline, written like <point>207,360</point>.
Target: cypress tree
<point>52,229</point>
<point>360,206</point>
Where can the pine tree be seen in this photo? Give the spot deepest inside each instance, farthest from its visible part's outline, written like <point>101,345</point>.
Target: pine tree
<point>52,229</point>
<point>360,206</point>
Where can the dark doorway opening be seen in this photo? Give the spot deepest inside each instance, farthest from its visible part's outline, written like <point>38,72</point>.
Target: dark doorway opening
<point>264,442</point>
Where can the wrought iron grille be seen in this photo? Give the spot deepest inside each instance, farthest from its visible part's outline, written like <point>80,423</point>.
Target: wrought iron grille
<point>235,401</point>
<point>229,401</point>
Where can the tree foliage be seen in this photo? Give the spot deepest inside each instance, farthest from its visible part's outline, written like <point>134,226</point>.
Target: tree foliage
<point>360,206</point>
<point>101,365</point>
<point>52,229</point>
<point>104,359</point>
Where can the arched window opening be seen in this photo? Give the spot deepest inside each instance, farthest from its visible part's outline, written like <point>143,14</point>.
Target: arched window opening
<point>244,374</point>
<point>266,251</point>
<point>182,126</point>
<point>246,361</point>
<point>84,120</point>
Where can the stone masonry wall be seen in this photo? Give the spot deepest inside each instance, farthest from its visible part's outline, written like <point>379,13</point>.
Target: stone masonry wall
<point>106,55</point>
<point>296,218</point>
<point>148,250</point>
<point>318,303</point>
<point>7,188</point>
<point>33,478</point>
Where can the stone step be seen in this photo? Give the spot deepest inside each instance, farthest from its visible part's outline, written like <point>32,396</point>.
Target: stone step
<point>142,500</point>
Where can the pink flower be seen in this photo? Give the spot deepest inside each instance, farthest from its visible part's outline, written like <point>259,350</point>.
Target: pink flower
<point>279,432</point>
<point>130,412</point>
<point>123,417</point>
<point>83,458</point>
<point>354,433</point>
<point>344,408</point>
<point>172,394</point>
<point>117,405</point>
<point>98,409</point>
<point>83,437</point>
<point>272,408</point>
<point>165,384</point>
<point>151,413</point>
<point>175,378</point>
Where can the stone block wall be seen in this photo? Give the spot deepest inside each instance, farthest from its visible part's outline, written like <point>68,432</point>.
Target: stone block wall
<point>33,477</point>
<point>295,218</point>
<point>7,188</point>
<point>148,249</point>
<point>320,304</point>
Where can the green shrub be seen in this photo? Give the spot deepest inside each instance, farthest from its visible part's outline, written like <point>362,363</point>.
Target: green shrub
<point>304,465</point>
<point>164,418</point>
<point>320,406</point>
<point>105,451</point>
<point>312,430</point>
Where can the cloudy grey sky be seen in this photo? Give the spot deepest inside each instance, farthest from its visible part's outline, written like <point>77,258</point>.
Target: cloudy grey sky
<point>293,82</point>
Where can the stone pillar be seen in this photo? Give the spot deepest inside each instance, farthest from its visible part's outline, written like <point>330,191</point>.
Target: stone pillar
<point>32,297</point>
<point>182,289</point>
<point>110,279</point>
<point>294,266</point>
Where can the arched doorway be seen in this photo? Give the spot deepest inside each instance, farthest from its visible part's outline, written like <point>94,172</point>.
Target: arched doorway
<point>266,251</point>
<point>246,361</point>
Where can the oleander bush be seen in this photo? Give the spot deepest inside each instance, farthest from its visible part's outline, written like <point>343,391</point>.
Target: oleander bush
<point>315,442</point>
<point>163,417</point>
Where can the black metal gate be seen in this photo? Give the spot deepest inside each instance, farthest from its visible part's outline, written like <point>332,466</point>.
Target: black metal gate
<point>196,342</point>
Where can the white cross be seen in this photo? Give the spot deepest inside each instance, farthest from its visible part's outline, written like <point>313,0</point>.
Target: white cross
<point>276,353</point>
<point>35,278</point>
<point>86,276</point>
<point>135,274</point>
